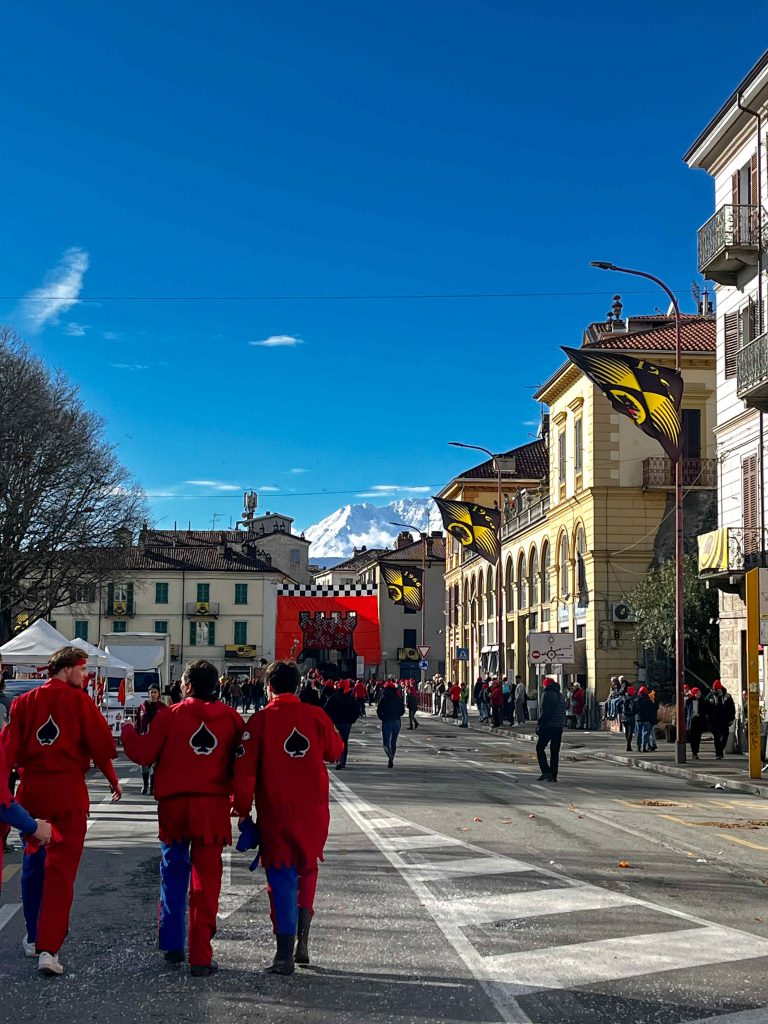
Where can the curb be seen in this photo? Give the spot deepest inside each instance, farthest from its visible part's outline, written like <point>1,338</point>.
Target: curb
<point>639,763</point>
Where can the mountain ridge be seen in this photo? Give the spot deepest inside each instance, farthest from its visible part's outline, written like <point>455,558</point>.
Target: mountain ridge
<point>367,525</point>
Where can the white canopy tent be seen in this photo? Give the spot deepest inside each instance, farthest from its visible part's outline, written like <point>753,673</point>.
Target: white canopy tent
<point>108,663</point>
<point>33,646</point>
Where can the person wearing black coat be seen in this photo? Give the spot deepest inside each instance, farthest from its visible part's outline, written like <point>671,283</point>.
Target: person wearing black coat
<point>390,710</point>
<point>627,709</point>
<point>341,707</point>
<point>721,712</point>
<point>550,729</point>
<point>308,695</point>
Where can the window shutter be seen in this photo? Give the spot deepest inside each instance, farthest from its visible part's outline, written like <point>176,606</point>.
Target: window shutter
<point>193,634</point>
<point>754,319</point>
<point>110,597</point>
<point>731,337</point>
<point>749,502</point>
<point>735,188</point>
<point>211,634</point>
<point>754,190</point>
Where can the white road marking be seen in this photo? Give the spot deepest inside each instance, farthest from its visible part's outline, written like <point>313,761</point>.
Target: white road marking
<point>7,913</point>
<point>745,1017</point>
<point>568,900</point>
<point>233,897</point>
<point>388,823</point>
<point>420,842</point>
<point>465,866</point>
<point>628,956</point>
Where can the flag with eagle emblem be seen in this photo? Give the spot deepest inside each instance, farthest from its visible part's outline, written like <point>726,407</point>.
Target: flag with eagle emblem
<point>648,394</point>
<point>405,585</point>
<point>474,526</point>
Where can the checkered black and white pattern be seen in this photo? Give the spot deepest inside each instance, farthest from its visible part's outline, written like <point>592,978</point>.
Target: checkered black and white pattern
<point>342,590</point>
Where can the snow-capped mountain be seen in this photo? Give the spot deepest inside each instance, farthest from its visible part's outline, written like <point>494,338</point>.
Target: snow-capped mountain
<point>366,525</point>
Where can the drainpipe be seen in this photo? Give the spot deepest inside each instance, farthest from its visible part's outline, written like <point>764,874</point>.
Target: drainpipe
<point>760,318</point>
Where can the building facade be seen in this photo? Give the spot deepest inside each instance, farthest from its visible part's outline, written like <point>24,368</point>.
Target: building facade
<point>577,543</point>
<point>731,254</point>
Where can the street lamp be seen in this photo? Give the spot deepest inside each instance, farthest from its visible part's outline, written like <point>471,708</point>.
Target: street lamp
<point>498,465</point>
<point>679,607</point>
<point>424,543</point>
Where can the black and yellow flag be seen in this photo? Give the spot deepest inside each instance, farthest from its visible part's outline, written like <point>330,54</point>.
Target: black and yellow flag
<point>649,394</point>
<point>406,586</point>
<point>474,526</point>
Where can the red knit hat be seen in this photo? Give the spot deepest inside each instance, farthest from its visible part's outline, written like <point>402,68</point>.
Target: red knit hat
<point>643,690</point>
<point>630,691</point>
<point>717,685</point>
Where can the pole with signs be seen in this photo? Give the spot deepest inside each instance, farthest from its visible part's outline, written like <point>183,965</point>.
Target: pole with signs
<point>755,577</point>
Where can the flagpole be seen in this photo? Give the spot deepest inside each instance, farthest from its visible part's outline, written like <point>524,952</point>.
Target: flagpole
<point>679,548</point>
<point>500,659</point>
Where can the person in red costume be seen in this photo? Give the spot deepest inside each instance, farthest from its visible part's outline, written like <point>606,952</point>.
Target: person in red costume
<point>147,711</point>
<point>13,815</point>
<point>54,733</point>
<point>283,766</point>
<point>193,746</point>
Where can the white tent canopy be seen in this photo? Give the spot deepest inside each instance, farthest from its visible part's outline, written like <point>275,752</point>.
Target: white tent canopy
<point>98,658</point>
<point>33,646</point>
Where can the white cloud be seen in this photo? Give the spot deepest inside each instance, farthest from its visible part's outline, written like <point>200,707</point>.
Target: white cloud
<point>60,291</point>
<point>111,335</point>
<point>392,488</point>
<point>297,471</point>
<point>214,485</point>
<point>268,489</point>
<point>75,330</point>
<point>278,341</point>
<point>531,423</point>
<point>130,366</point>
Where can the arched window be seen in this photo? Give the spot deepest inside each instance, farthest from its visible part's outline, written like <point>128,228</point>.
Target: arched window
<point>545,590</point>
<point>489,594</point>
<point>522,583</point>
<point>533,570</point>
<point>581,569</point>
<point>509,586</point>
<point>456,604</point>
<point>562,567</point>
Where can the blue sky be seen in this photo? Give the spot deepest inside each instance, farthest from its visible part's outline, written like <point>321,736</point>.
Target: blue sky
<point>303,149</point>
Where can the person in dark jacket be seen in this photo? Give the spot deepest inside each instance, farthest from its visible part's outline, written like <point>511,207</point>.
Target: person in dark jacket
<point>497,703</point>
<point>390,710</point>
<point>341,707</point>
<point>550,729</point>
<point>695,720</point>
<point>721,712</point>
<point>148,709</point>
<point>326,692</point>
<point>307,695</point>
<point>628,714</point>
<point>645,717</point>
<point>412,703</point>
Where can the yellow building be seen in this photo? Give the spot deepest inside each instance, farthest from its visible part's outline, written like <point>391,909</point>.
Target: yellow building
<point>574,548</point>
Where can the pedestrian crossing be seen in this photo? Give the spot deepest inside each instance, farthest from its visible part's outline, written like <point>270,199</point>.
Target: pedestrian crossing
<point>482,902</point>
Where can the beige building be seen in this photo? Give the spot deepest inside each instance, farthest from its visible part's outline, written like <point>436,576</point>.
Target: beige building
<point>601,513</point>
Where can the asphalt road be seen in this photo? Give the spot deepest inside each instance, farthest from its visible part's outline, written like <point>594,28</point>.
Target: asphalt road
<point>456,889</point>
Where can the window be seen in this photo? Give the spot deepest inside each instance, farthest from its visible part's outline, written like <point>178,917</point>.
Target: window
<point>120,599</point>
<point>203,593</point>
<point>562,567</point>
<point>202,634</point>
<point>81,629</point>
<point>581,569</point>
<point>691,433</point>
<point>161,593</point>
<point>578,445</point>
<point>161,625</point>
<point>295,556</point>
<point>241,596</point>
<point>84,593</point>
<point>545,589</point>
<point>561,450</point>
<point>749,503</point>
<point>241,632</point>
<point>489,596</point>
<point>120,627</point>
<point>52,622</point>
<point>522,584</point>
<point>409,638</point>
<point>509,586</point>
<point>533,572</point>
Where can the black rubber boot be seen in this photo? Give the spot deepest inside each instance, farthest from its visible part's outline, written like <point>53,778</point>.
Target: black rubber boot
<point>301,955</point>
<point>283,962</point>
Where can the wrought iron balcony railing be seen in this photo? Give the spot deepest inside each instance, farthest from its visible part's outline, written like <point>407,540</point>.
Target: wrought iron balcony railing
<point>731,549</point>
<point>660,473</point>
<point>521,520</point>
<point>202,609</point>
<point>726,237</point>
<point>752,371</point>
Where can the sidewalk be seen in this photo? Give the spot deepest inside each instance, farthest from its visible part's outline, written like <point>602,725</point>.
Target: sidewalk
<point>731,773</point>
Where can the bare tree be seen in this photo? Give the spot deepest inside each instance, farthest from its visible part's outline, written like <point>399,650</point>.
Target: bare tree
<point>64,496</point>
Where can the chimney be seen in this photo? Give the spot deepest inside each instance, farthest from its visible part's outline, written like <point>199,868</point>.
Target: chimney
<point>403,540</point>
<point>617,323</point>
<point>705,306</point>
<point>437,534</point>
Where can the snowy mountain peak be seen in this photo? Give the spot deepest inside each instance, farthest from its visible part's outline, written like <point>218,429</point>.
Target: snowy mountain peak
<point>366,525</point>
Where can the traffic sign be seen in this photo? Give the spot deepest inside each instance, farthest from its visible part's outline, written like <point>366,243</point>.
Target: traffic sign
<point>423,649</point>
<point>423,664</point>
<point>550,648</point>
<point>462,654</point>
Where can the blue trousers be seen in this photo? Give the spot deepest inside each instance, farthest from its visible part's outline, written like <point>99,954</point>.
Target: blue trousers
<point>179,866</point>
<point>389,733</point>
<point>32,877</point>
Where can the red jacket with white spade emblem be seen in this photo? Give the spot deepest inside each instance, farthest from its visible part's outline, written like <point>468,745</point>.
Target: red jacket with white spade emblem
<point>193,747</point>
<point>286,746</point>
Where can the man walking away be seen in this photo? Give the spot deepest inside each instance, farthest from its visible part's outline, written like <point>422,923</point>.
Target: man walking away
<point>520,699</point>
<point>463,701</point>
<point>578,701</point>
<point>628,713</point>
<point>455,694</point>
<point>54,733</point>
<point>550,729</point>
<point>721,712</point>
<point>694,720</point>
<point>390,710</point>
<point>646,717</point>
<point>497,703</point>
<point>193,747</point>
<point>343,711</point>
<point>360,693</point>
<point>412,703</point>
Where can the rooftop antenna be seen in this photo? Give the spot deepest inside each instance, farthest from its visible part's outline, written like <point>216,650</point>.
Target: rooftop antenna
<point>214,517</point>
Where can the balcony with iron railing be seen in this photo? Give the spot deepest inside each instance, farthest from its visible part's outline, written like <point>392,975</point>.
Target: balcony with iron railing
<point>726,554</point>
<point>729,242</point>
<point>120,607</point>
<point>202,609</point>
<point>752,373</point>
<point>659,473</point>
<point>525,517</point>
